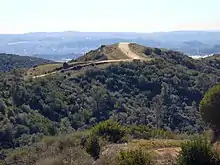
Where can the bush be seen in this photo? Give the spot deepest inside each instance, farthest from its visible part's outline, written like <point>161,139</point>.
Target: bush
<point>136,157</point>
<point>93,147</point>
<point>198,151</point>
<point>110,130</point>
<point>144,132</point>
<point>148,51</point>
<point>65,65</point>
<point>139,131</point>
<point>157,51</point>
<point>162,134</point>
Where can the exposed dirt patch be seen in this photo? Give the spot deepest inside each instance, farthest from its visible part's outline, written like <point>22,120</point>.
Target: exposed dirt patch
<point>124,47</point>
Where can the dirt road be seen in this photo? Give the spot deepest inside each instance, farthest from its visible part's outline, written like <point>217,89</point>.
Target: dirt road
<point>124,47</point>
<point>86,64</point>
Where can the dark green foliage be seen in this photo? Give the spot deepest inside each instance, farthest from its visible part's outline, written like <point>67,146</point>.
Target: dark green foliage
<point>65,65</point>
<point>157,51</point>
<point>139,132</point>
<point>93,147</point>
<point>148,51</point>
<point>9,62</point>
<point>163,93</point>
<point>210,107</point>
<point>110,130</point>
<point>136,157</point>
<point>198,151</point>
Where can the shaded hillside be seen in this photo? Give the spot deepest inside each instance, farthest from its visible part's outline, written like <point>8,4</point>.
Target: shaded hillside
<point>9,62</point>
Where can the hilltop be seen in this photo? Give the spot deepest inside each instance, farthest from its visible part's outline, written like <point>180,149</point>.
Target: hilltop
<point>109,54</point>
<point>122,51</point>
<point>9,62</point>
<point>104,55</point>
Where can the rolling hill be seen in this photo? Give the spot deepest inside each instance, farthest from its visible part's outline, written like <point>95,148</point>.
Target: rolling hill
<point>109,54</point>
<point>105,52</point>
<point>122,84</point>
<point>9,62</point>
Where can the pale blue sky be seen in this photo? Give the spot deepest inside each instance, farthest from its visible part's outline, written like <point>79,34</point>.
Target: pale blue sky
<point>20,16</point>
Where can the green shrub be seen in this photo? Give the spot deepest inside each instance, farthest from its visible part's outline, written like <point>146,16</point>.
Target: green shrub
<point>93,147</point>
<point>139,131</point>
<point>144,132</point>
<point>136,157</point>
<point>162,134</point>
<point>197,152</point>
<point>110,130</point>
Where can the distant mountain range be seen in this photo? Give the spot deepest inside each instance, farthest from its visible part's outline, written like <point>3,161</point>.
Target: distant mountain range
<point>62,46</point>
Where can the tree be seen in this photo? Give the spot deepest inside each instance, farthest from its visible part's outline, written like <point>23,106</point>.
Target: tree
<point>100,96</point>
<point>110,130</point>
<point>158,109</point>
<point>157,51</point>
<point>65,65</point>
<point>93,147</point>
<point>148,51</point>
<point>210,110</point>
<point>65,126</point>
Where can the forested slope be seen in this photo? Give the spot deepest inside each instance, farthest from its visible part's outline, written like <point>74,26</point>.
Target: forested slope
<point>163,93</point>
<point>9,62</point>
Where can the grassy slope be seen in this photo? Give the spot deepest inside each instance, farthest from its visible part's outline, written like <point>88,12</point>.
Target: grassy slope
<point>43,69</point>
<point>138,49</point>
<point>109,52</point>
<point>215,56</point>
<point>52,150</point>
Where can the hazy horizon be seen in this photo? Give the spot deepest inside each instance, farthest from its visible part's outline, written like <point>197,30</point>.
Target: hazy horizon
<point>76,31</point>
<point>141,16</point>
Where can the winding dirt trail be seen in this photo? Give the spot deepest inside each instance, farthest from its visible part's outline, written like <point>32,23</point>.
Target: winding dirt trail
<point>86,64</point>
<point>124,47</point>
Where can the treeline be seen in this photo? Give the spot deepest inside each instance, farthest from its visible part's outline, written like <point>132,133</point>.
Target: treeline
<point>9,62</point>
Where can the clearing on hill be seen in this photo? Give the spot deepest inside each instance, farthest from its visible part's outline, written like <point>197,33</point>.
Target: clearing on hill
<point>120,51</point>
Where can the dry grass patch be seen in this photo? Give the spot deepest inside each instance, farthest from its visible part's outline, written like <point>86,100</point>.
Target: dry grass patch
<point>154,144</point>
<point>43,69</point>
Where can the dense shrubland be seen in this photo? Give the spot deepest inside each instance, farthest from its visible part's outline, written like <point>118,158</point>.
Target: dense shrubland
<point>154,99</point>
<point>163,93</point>
<point>8,62</point>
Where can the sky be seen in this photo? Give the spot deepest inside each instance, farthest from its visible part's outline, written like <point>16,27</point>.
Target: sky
<point>22,16</point>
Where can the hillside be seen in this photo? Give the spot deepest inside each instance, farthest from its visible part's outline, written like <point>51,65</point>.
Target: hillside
<point>116,53</point>
<point>163,92</point>
<point>9,62</point>
<point>103,56</point>
<point>120,51</point>
<point>105,52</point>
